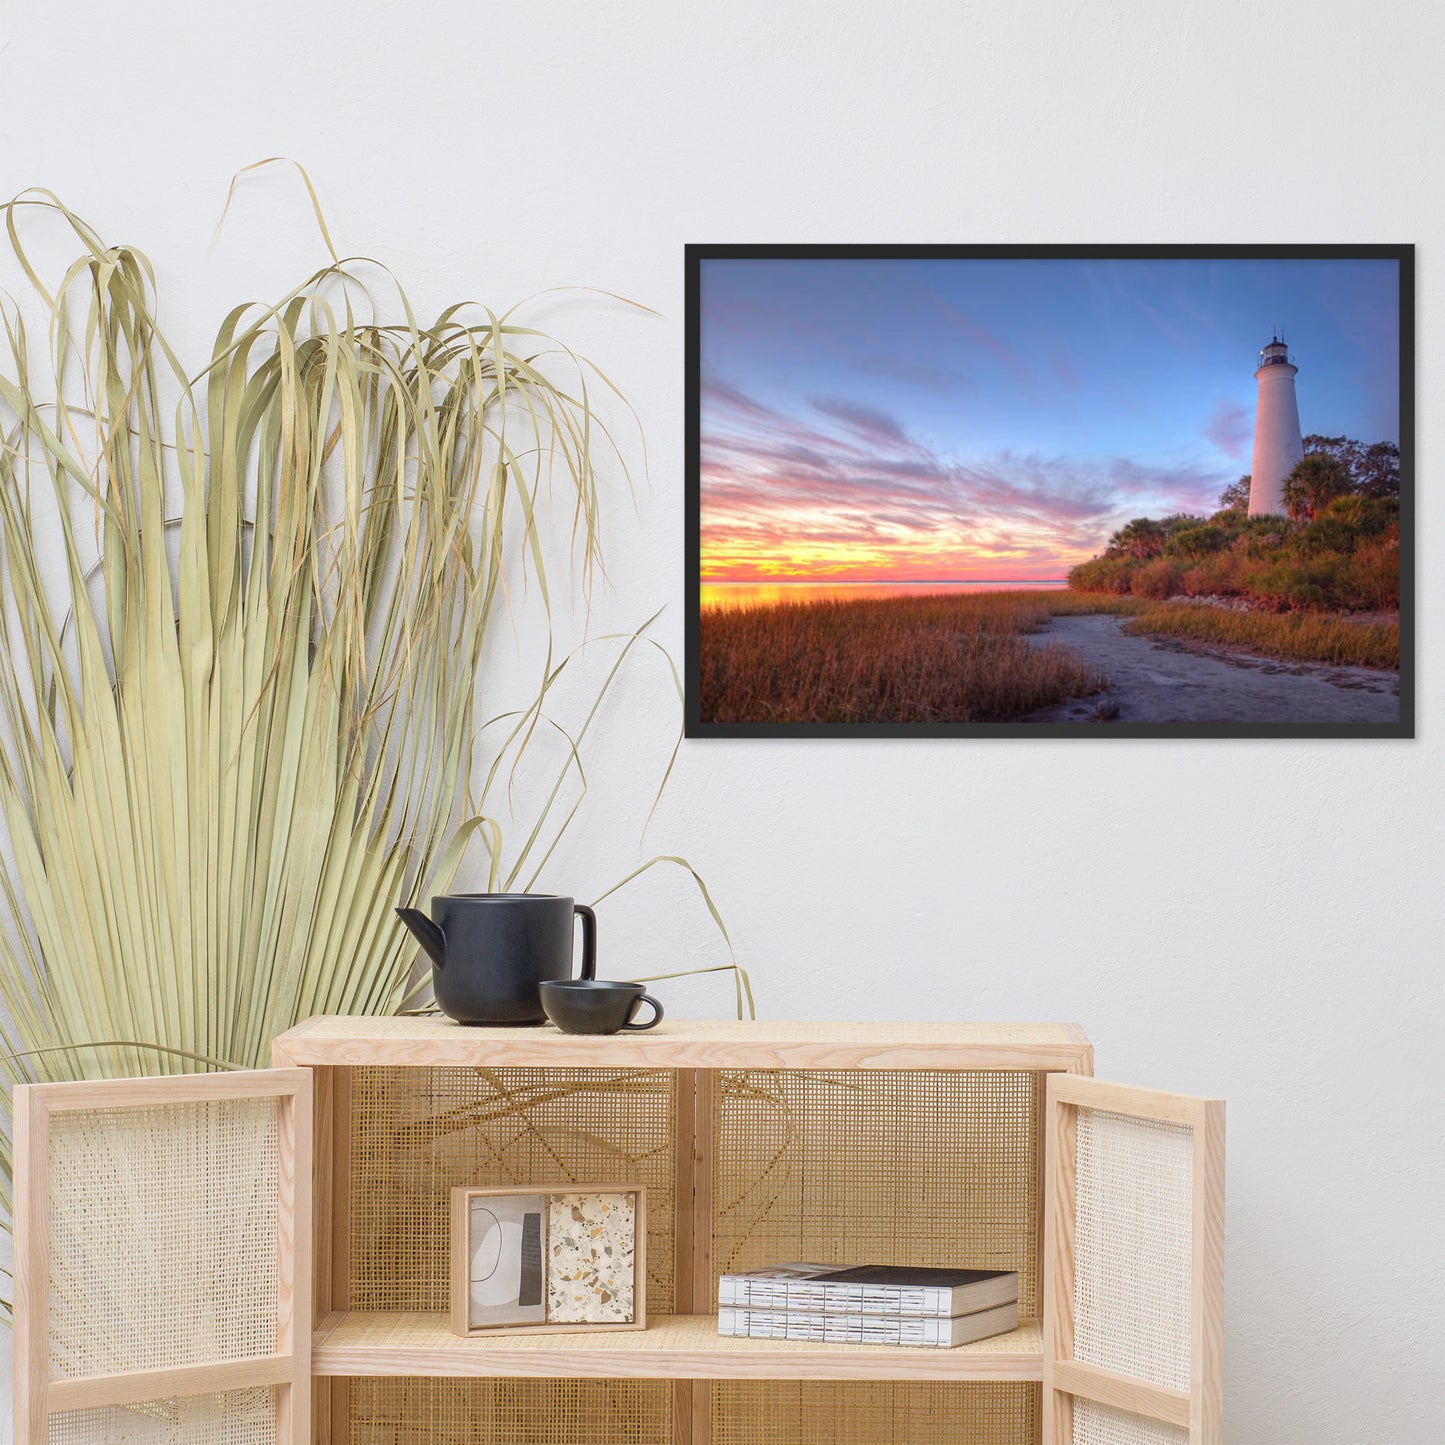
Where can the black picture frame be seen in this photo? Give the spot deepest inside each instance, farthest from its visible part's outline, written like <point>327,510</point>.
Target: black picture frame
<point>695,257</point>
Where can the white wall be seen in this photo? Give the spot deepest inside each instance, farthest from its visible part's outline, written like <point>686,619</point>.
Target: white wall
<point>1257,920</point>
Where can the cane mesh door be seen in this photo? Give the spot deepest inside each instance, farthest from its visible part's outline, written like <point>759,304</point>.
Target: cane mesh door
<point>1133,1266</point>
<point>162,1248</point>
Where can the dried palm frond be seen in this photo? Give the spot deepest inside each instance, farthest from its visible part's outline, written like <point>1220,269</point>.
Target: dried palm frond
<point>242,614</point>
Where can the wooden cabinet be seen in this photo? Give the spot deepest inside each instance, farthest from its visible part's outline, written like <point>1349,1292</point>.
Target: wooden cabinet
<point>982,1144</point>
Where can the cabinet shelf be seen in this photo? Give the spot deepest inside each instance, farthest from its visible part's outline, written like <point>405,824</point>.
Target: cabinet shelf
<point>672,1347</point>
<point>435,1042</point>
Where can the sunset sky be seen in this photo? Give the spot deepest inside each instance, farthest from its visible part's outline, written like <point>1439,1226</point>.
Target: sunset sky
<point>996,420</point>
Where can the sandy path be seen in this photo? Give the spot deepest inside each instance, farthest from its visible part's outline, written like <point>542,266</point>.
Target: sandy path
<point>1159,681</point>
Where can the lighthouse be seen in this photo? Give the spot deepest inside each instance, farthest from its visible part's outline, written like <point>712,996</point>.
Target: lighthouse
<point>1277,444</point>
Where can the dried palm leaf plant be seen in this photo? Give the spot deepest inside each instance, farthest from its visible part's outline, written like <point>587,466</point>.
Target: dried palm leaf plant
<point>242,615</point>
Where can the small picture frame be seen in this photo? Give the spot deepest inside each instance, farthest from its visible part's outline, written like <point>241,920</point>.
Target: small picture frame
<point>534,1258</point>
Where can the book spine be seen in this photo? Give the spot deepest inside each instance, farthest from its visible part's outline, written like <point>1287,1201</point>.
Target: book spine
<point>743,1292</point>
<point>834,1328</point>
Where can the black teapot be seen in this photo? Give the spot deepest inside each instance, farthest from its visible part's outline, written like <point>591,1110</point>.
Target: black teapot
<point>491,951</point>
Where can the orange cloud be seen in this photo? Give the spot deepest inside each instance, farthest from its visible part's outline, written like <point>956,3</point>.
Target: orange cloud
<point>851,497</point>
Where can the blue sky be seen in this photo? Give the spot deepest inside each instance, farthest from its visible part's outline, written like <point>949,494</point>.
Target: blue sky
<point>870,419</point>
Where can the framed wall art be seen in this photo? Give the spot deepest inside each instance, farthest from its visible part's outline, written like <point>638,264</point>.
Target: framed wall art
<point>1050,491</point>
<point>548,1258</point>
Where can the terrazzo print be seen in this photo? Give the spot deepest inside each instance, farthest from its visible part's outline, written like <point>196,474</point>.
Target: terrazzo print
<point>591,1264</point>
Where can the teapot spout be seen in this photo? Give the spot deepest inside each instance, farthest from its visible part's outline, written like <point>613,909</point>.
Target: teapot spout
<point>426,933</point>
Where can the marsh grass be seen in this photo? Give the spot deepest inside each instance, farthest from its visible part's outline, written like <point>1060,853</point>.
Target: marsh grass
<point>1300,636</point>
<point>940,657</point>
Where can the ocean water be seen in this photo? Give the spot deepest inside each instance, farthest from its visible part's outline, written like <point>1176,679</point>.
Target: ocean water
<point>752,594</point>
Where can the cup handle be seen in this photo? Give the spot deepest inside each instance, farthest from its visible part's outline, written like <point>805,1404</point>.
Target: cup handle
<point>653,1022</point>
<point>589,940</point>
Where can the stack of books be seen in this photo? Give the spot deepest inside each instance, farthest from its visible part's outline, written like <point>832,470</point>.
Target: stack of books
<point>871,1304</point>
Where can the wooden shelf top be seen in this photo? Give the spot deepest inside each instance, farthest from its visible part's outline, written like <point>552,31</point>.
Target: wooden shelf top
<point>672,1347</point>
<point>432,1040</point>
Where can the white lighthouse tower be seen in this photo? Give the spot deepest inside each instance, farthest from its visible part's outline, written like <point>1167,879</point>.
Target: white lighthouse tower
<point>1277,444</point>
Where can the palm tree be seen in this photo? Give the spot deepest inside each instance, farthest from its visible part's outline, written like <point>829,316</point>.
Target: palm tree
<point>1142,538</point>
<point>1316,481</point>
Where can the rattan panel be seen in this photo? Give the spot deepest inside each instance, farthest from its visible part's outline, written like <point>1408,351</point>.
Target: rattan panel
<point>407,1411</point>
<point>235,1417</point>
<point>1133,1246</point>
<point>878,1167</point>
<point>416,1133</point>
<point>1096,1424</point>
<point>772,1412</point>
<point>163,1236</point>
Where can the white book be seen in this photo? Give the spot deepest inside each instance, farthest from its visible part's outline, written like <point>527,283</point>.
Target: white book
<point>844,1329</point>
<point>869,1289</point>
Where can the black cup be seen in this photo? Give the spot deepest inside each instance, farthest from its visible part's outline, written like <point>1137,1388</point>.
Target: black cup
<point>594,1006</point>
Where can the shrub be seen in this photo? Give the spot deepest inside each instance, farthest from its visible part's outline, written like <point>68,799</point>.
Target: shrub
<point>1215,576</point>
<point>1196,541</point>
<point>1346,557</point>
<point>1310,583</point>
<point>1380,517</point>
<point>1328,533</point>
<point>1271,528</point>
<point>1231,518</point>
<point>1180,521</point>
<point>1157,579</point>
<point>1263,536</point>
<point>1103,574</point>
<point>1141,538</point>
<point>1346,509</point>
<point>1374,575</point>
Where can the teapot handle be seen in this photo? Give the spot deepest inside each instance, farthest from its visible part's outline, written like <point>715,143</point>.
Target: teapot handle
<point>589,940</point>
